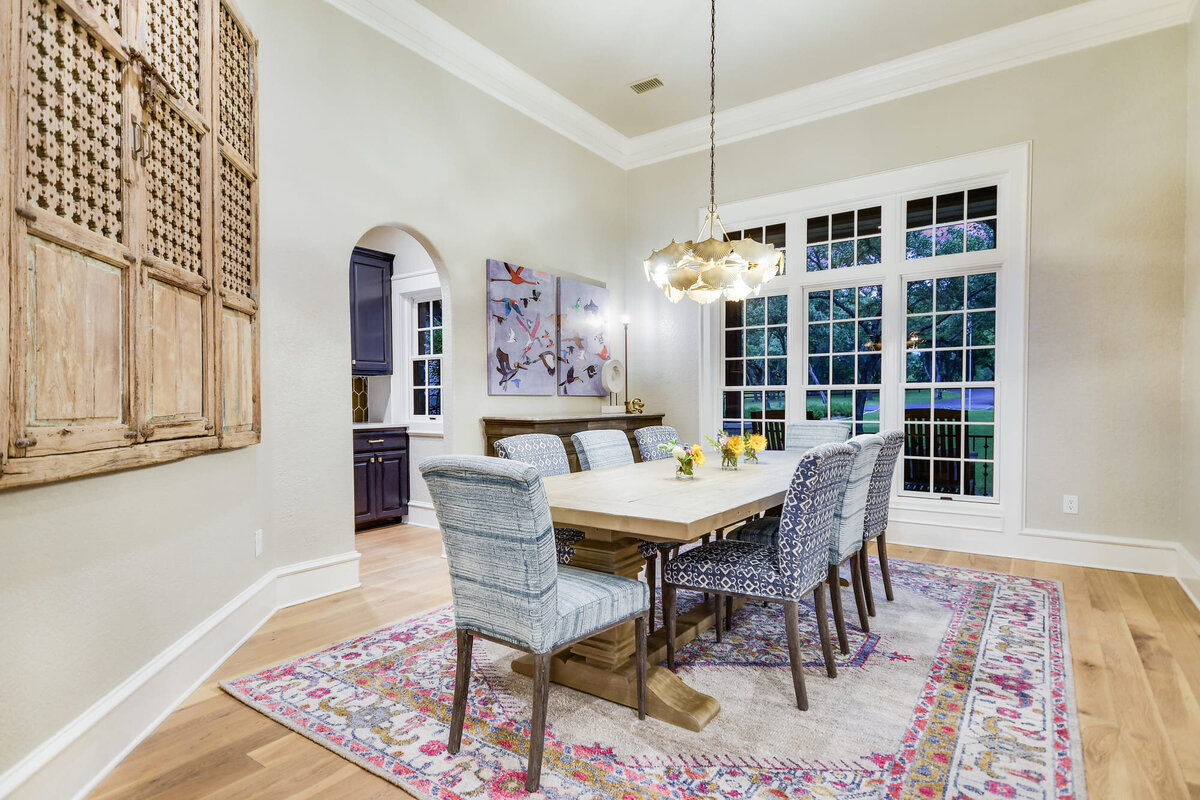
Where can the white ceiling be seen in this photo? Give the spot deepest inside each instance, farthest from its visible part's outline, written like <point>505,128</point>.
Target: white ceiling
<point>591,51</point>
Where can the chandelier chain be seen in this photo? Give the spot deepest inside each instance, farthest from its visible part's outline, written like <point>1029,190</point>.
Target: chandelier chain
<point>712,111</point>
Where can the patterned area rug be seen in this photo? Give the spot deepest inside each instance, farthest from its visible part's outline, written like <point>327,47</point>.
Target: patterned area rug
<point>962,690</point>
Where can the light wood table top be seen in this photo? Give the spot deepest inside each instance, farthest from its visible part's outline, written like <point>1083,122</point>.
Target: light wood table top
<point>647,501</point>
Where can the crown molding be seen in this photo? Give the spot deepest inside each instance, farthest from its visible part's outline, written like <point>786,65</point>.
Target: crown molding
<point>1068,30</point>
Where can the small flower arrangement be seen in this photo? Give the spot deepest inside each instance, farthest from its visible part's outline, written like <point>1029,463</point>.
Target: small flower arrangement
<point>730,448</point>
<point>755,444</point>
<point>688,457</point>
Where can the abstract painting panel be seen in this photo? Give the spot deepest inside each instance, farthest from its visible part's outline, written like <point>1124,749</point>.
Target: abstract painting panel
<point>521,330</point>
<point>583,337</point>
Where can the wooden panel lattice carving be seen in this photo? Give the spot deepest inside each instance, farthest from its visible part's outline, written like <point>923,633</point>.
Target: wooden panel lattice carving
<point>110,11</point>
<point>237,243</point>
<point>235,95</point>
<point>173,170</point>
<point>73,123</point>
<point>173,39</point>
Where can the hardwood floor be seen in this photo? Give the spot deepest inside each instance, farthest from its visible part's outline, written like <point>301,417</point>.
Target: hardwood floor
<point>1135,644</point>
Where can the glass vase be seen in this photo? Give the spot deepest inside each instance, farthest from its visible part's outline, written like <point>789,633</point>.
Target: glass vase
<point>729,461</point>
<point>683,473</point>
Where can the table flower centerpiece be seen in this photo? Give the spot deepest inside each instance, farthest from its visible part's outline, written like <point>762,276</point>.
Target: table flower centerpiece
<point>730,447</point>
<point>688,458</point>
<point>755,444</point>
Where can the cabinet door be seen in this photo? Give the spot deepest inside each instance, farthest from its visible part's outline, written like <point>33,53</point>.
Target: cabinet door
<point>364,488</point>
<point>393,484</point>
<point>370,312</point>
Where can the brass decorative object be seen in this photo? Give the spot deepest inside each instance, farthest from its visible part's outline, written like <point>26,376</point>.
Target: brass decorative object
<point>635,406</point>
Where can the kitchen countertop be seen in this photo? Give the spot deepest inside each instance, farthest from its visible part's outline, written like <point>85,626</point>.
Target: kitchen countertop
<point>366,426</point>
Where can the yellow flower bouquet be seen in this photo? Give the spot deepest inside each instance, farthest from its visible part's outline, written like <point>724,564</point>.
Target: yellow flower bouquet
<point>730,448</point>
<point>755,444</point>
<point>688,457</point>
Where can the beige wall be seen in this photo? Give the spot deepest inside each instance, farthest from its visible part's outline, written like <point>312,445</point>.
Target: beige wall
<point>1190,454</point>
<point>99,575</point>
<point>1107,127</point>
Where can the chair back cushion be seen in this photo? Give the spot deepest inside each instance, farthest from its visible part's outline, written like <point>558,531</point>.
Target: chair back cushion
<point>880,493</point>
<point>499,540</point>
<point>803,435</point>
<point>649,439</point>
<point>852,505</point>
<point>806,524</point>
<point>544,451</point>
<point>602,449</point>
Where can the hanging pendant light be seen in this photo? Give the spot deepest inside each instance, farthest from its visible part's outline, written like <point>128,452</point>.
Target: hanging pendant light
<point>712,266</point>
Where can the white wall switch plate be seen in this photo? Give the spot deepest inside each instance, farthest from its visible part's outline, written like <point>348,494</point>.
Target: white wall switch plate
<point>258,543</point>
<point>1070,504</point>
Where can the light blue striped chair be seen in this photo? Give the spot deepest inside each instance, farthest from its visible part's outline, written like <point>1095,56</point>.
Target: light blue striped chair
<point>549,457</point>
<point>649,439</point>
<point>812,432</point>
<point>507,586</point>
<point>878,499</point>
<point>847,540</point>
<point>608,448</point>
<point>780,573</point>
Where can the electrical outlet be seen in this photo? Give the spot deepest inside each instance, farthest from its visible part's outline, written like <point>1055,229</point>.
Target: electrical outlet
<point>1070,504</point>
<point>258,543</point>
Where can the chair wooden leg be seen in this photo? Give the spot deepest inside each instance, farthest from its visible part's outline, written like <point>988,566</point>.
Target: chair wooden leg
<point>651,573</point>
<point>537,733</point>
<point>462,681</point>
<point>865,563</point>
<point>823,629</point>
<point>883,566</point>
<point>706,538</point>
<point>729,612</point>
<point>856,581</point>
<point>640,655</point>
<point>791,616</point>
<point>720,617</point>
<point>668,604</point>
<point>839,620</point>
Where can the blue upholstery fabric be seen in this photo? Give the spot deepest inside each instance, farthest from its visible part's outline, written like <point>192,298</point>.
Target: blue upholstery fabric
<point>499,540</point>
<point>764,530</point>
<point>803,435</point>
<point>851,508</point>
<point>649,439</point>
<point>602,449</point>
<point>589,600</point>
<point>798,562</point>
<point>880,493</point>
<point>547,454</point>
<point>544,451</point>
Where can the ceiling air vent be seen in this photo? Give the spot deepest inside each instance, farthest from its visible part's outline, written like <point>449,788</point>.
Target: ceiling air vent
<point>645,85</point>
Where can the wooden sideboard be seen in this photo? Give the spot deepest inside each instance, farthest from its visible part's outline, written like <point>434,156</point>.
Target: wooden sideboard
<point>563,426</point>
<point>381,489</point>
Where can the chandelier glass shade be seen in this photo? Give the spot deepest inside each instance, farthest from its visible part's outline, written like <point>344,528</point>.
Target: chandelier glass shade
<point>712,266</point>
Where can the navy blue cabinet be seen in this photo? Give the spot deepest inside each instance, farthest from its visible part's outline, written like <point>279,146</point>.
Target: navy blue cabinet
<point>370,312</point>
<point>381,487</point>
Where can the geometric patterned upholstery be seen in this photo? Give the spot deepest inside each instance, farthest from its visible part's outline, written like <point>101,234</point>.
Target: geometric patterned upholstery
<point>881,484</point>
<point>499,540</point>
<point>797,562</point>
<point>602,449</point>
<point>810,433</point>
<point>764,530</point>
<point>649,438</point>
<point>548,456</point>
<point>851,509</point>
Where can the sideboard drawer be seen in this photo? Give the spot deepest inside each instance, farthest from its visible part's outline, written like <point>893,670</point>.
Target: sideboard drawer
<point>368,441</point>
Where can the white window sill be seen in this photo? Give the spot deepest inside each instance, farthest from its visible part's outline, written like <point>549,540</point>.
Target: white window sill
<point>425,428</point>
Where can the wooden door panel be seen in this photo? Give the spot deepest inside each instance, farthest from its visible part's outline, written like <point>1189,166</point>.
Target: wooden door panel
<point>393,484</point>
<point>173,30</point>
<point>76,357</point>
<point>364,488</point>
<point>237,371</point>
<point>176,380</point>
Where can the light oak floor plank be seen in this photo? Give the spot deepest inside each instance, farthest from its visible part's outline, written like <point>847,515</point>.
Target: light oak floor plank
<point>1135,645</point>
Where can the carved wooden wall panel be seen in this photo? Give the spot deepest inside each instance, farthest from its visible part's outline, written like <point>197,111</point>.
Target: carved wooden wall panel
<point>129,301</point>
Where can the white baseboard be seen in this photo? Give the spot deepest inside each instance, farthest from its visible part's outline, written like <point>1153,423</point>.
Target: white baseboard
<point>1189,574</point>
<point>422,514</point>
<point>71,763</point>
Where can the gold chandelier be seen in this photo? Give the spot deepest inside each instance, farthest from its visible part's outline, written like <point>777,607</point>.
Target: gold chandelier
<point>708,268</point>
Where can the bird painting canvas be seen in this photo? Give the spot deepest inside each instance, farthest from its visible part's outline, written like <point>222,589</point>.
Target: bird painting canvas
<point>583,345</point>
<point>522,329</point>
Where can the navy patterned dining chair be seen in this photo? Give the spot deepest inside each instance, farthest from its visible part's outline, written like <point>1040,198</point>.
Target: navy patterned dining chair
<point>784,573</point>
<point>549,457</point>
<point>650,438</point>
<point>508,587</point>
<point>608,448</point>
<point>875,523</point>
<point>847,541</point>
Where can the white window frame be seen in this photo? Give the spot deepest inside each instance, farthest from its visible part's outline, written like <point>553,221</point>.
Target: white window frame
<point>407,292</point>
<point>941,522</point>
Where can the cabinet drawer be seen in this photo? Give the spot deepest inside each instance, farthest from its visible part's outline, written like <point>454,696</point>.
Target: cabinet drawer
<point>375,439</point>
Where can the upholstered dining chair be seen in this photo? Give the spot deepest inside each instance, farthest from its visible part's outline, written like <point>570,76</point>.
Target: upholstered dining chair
<point>649,439</point>
<point>779,574</point>
<point>876,519</point>
<point>608,448</point>
<point>549,457</point>
<point>846,543</point>
<point>812,432</point>
<point>508,588</point>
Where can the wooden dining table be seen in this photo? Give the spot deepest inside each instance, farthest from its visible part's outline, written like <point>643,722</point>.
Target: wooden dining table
<point>618,507</point>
